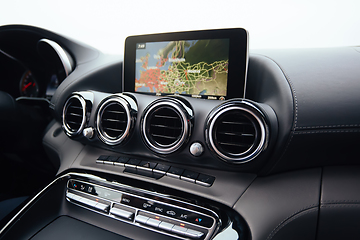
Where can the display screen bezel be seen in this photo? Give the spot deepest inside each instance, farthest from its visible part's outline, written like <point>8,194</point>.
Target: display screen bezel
<point>238,57</point>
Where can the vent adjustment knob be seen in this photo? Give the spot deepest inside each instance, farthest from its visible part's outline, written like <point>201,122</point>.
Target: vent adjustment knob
<point>196,149</point>
<point>88,132</point>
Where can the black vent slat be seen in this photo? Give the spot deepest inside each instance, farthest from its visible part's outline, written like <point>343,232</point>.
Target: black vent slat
<point>165,116</point>
<point>235,144</point>
<point>163,136</point>
<point>113,129</point>
<point>164,126</point>
<point>116,112</point>
<point>74,114</point>
<point>75,123</point>
<point>237,123</point>
<point>237,134</point>
<point>114,120</point>
<point>76,107</point>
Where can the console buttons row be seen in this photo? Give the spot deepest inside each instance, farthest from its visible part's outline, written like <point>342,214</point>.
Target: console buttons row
<point>88,202</point>
<point>167,211</point>
<point>177,229</point>
<point>142,167</point>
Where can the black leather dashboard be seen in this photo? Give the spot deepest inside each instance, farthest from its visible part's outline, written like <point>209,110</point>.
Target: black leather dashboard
<point>302,185</point>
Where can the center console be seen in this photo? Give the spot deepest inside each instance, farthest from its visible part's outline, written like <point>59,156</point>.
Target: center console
<point>100,206</point>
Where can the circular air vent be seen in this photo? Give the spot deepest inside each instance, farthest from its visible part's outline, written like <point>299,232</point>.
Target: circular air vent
<point>74,115</point>
<point>236,131</point>
<point>166,125</point>
<point>115,119</point>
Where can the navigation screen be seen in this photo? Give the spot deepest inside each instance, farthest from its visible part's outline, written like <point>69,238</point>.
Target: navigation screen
<point>207,64</point>
<point>191,67</point>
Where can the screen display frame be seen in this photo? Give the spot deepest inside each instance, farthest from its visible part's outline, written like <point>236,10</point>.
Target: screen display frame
<point>238,57</point>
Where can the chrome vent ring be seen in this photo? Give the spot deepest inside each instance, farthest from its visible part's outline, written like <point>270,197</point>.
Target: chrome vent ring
<point>236,131</point>
<point>166,125</point>
<point>115,119</point>
<point>74,115</point>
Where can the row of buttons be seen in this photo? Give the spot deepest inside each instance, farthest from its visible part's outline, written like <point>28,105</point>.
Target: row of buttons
<point>134,209</point>
<point>180,230</point>
<point>168,211</point>
<point>128,214</point>
<point>158,168</point>
<point>129,202</point>
<point>88,202</point>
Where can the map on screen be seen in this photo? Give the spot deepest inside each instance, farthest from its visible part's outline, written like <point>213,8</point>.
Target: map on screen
<point>193,67</point>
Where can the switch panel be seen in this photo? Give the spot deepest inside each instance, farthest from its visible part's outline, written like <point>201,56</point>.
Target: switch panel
<point>145,209</point>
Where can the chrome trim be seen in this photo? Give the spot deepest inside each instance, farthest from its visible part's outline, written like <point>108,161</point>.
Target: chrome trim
<point>130,108</point>
<point>186,126</point>
<point>247,63</point>
<point>251,109</point>
<point>64,57</point>
<point>66,127</point>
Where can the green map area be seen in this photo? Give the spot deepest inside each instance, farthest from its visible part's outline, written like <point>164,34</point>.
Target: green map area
<point>198,67</point>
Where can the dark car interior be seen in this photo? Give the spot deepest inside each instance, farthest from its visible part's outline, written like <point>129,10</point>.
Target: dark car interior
<point>93,147</point>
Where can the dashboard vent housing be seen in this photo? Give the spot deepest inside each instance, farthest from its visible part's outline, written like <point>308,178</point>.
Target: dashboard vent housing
<point>115,119</point>
<point>236,131</point>
<point>166,125</point>
<point>74,115</point>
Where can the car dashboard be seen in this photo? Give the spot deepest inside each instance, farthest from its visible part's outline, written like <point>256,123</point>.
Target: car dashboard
<point>278,162</point>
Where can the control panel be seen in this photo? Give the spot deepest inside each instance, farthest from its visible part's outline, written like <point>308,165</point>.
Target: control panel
<point>145,209</point>
<point>156,170</point>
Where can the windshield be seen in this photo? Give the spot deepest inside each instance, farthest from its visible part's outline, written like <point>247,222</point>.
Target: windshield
<point>271,24</point>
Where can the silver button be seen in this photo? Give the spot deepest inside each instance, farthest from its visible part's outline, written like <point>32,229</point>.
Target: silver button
<point>166,226</point>
<point>196,149</point>
<point>76,197</point>
<point>102,206</point>
<point>153,222</point>
<point>141,219</point>
<point>87,202</point>
<point>88,132</point>
<point>179,230</point>
<point>193,233</point>
<point>121,213</point>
